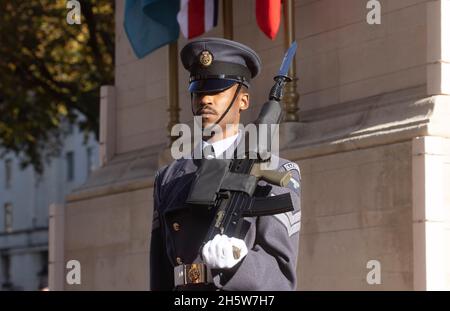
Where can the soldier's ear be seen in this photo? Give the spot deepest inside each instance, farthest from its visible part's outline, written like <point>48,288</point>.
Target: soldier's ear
<point>244,101</point>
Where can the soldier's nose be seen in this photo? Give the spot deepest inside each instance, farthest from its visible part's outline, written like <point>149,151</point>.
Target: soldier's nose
<point>206,100</point>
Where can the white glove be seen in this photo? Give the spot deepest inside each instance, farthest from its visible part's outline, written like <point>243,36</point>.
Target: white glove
<point>224,252</point>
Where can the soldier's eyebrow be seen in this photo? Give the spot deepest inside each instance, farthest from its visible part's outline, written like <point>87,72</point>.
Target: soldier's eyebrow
<point>212,93</point>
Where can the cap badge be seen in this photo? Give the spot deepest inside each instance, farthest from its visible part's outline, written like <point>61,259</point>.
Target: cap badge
<point>206,58</point>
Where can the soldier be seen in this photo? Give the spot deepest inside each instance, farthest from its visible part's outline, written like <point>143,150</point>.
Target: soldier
<point>266,259</point>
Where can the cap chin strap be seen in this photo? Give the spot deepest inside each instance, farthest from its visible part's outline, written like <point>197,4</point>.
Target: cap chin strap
<point>225,112</point>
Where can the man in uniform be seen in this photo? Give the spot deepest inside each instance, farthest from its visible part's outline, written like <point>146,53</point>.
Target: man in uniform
<point>266,258</point>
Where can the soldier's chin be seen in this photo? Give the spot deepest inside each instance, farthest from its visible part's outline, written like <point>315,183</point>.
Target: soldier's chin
<point>211,129</point>
<point>208,128</point>
<point>208,121</point>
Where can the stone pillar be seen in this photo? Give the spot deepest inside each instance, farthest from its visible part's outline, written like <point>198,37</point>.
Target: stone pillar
<point>107,124</point>
<point>373,146</point>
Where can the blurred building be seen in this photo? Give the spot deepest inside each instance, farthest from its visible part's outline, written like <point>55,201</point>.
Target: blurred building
<point>25,198</point>
<point>372,141</point>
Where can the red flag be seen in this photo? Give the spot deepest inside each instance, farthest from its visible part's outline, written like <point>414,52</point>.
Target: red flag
<point>268,16</point>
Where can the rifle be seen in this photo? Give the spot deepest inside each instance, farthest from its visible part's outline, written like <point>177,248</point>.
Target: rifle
<point>228,185</point>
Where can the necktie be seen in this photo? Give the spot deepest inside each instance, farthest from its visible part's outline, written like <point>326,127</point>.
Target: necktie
<point>208,152</point>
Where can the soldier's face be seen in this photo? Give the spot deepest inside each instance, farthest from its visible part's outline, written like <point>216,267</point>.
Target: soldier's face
<point>211,106</point>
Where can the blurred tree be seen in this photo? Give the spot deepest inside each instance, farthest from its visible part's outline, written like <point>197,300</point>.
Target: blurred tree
<point>51,70</point>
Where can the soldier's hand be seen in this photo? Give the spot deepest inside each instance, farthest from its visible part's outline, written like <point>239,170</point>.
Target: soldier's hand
<point>223,252</point>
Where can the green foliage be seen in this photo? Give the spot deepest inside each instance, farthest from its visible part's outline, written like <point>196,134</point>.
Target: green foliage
<point>50,71</point>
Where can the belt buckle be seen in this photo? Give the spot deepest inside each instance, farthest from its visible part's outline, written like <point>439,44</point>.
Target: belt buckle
<point>195,273</point>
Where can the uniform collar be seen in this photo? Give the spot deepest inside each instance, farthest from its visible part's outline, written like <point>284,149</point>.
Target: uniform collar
<point>219,146</point>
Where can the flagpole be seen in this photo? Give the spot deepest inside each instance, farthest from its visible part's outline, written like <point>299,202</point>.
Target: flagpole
<point>173,89</point>
<point>291,96</point>
<point>227,14</point>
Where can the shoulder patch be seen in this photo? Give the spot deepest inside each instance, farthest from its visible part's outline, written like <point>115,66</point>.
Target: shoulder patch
<point>294,183</point>
<point>291,166</point>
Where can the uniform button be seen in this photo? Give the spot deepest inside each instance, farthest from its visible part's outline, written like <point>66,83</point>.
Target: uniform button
<point>179,261</point>
<point>176,226</point>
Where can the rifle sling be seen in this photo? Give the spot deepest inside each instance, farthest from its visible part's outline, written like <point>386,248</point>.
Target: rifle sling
<point>239,182</point>
<point>207,182</point>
